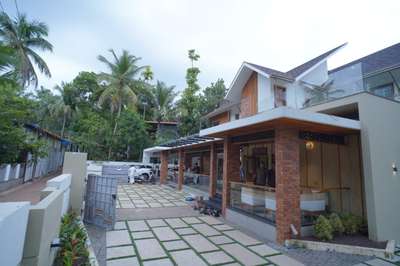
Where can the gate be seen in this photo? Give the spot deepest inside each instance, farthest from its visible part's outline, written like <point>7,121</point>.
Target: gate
<point>100,200</point>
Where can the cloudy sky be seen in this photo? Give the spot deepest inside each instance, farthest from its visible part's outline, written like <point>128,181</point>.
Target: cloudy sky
<point>277,34</point>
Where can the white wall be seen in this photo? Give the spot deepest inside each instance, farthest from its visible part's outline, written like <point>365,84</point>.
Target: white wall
<point>13,222</point>
<point>265,94</point>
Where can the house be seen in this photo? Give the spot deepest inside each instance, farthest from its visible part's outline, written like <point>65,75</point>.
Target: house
<point>285,146</point>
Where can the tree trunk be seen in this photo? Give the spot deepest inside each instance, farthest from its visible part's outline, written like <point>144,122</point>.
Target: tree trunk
<point>63,125</point>
<point>114,131</point>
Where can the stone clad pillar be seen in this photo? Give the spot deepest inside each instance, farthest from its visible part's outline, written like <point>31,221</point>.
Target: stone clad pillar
<point>287,171</point>
<point>213,171</point>
<point>163,167</point>
<point>231,170</point>
<point>181,168</point>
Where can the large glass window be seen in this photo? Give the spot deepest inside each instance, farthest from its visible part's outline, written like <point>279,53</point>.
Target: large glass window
<point>280,96</point>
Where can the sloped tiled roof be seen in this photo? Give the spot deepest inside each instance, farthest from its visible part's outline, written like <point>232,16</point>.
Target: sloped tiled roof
<point>297,71</point>
<point>380,60</point>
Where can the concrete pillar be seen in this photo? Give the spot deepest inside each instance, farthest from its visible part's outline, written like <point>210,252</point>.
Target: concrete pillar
<point>75,164</point>
<point>8,169</point>
<point>231,170</point>
<point>17,170</point>
<point>163,167</point>
<point>213,171</point>
<point>181,168</point>
<point>287,172</point>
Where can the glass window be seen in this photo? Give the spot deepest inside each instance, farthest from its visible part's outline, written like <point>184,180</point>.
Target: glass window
<point>386,90</point>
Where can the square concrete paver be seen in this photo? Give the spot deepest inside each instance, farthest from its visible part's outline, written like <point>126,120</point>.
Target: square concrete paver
<point>156,223</point>
<point>223,227</point>
<point>379,262</point>
<point>175,245</point>
<point>284,260</point>
<point>142,234</point>
<point>138,226</point>
<point>161,262</point>
<point>205,229</point>
<point>176,223</point>
<point>191,220</point>
<point>116,252</point>
<point>210,220</point>
<point>263,250</point>
<point>242,238</point>
<point>187,257</point>
<point>118,238</point>
<point>119,226</point>
<point>131,261</point>
<point>220,240</point>
<point>243,255</point>
<point>185,231</point>
<point>217,257</point>
<point>199,243</point>
<point>149,249</point>
<point>165,233</point>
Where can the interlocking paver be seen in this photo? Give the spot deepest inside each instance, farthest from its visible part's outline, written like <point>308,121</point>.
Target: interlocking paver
<point>165,233</point>
<point>223,227</point>
<point>156,223</point>
<point>119,226</point>
<point>149,249</point>
<point>191,220</point>
<point>187,257</point>
<point>379,262</point>
<point>205,229</point>
<point>116,252</point>
<point>176,223</point>
<point>285,260</point>
<point>142,234</point>
<point>161,262</point>
<point>131,261</point>
<point>118,238</point>
<point>185,231</point>
<point>216,257</point>
<point>139,225</point>
<point>199,243</point>
<point>263,250</point>
<point>241,238</point>
<point>220,240</point>
<point>175,245</point>
<point>210,220</point>
<point>243,255</point>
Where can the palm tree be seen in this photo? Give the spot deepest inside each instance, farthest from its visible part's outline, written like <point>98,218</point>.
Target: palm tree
<point>64,106</point>
<point>120,84</point>
<point>24,37</point>
<point>163,97</point>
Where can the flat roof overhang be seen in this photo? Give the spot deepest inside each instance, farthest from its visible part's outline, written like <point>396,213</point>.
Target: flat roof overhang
<point>285,116</point>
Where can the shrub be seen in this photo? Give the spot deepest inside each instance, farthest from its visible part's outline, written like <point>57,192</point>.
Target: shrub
<point>323,229</point>
<point>73,250</point>
<point>336,223</point>
<point>352,223</point>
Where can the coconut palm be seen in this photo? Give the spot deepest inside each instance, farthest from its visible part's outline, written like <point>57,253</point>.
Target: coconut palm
<point>65,106</point>
<point>163,97</point>
<point>120,84</point>
<point>24,37</point>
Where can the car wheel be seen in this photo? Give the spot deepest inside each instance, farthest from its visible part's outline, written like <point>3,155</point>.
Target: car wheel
<point>145,177</point>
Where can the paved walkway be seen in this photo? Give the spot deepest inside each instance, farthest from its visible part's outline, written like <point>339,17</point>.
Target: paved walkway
<point>193,240</point>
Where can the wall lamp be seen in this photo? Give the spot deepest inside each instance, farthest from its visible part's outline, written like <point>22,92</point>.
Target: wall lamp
<point>309,145</point>
<point>394,168</point>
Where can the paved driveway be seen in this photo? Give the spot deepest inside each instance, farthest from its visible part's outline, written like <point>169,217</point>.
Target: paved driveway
<point>194,241</point>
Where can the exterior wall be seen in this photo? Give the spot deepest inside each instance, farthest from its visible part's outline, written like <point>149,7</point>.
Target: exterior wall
<point>13,222</point>
<point>380,145</point>
<point>265,94</point>
<point>248,100</point>
<point>220,119</point>
<point>231,170</point>
<point>43,228</point>
<point>75,164</point>
<point>287,169</point>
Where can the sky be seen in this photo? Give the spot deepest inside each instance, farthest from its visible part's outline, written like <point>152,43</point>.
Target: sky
<point>276,34</point>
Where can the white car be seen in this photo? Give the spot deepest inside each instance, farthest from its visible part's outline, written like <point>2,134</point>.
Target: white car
<point>140,172</point>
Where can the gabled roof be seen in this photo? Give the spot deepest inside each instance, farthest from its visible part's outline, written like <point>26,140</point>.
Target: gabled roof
<point>383,59</point>
<point>247,68</point>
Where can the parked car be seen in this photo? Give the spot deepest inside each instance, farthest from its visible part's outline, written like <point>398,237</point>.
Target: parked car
<point>140,173</point>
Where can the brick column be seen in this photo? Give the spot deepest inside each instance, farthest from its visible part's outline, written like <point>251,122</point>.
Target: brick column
<point>163,167</point>
<point>181,168</point>
<point>231,170</point>
<point>213,171</point>
<point>287,171</point>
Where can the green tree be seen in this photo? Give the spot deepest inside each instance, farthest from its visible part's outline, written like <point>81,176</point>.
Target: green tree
<point>163,97</point>
<point>213,95</point>
<point>189,104</point>
<point>119,82</point>
<point>24,37</point>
